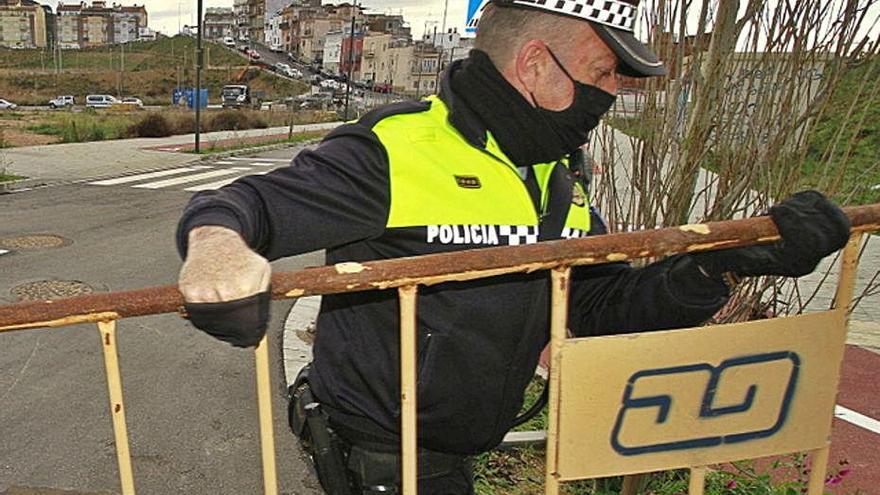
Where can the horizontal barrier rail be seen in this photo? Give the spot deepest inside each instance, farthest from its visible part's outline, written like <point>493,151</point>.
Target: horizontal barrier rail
<point>406,274</point>
<point>430,269</point>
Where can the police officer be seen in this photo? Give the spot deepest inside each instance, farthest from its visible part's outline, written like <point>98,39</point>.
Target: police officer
<point>486,162</point>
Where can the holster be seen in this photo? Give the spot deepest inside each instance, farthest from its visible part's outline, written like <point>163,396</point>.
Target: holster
<point>309,422</point>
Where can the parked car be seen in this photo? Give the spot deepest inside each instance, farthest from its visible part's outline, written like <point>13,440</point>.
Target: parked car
<point>7,105</point>
<point>100,101</point>
<point>229,42</point>
<point>243,48</point>
<point>276,48</point>
<point>294,73</point>
<point>133,101</point>
<point>62,101</point>
<point>382,88</point>
<point>254,54</point>
<point>282,68</point>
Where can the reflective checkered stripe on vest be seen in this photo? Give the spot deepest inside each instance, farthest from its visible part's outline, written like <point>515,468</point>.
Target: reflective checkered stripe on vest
<point>459,194</point>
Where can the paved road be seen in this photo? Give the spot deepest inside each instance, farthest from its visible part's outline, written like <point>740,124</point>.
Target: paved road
<point>190,400</point>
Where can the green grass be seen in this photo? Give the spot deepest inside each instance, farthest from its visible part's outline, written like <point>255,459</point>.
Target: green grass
<point>209,147</point>
<point>856,137</point>
<point>142,55</point>
<point>6,177</point>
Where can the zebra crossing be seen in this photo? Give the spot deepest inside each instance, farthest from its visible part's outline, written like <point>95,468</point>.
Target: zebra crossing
<point>194,178</point>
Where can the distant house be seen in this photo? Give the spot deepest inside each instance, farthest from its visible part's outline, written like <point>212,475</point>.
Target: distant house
<point>219,23</point>
<point>23,24</point>
<point>79,25</point>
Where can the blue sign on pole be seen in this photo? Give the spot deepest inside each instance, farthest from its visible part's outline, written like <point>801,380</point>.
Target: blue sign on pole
<point>475,9</point>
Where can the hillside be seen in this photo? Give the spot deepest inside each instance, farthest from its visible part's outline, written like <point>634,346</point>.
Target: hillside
<point>151,71</point>
<point>851,130</point>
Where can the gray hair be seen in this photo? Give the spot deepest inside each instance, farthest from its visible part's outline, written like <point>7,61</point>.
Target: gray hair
<point>502,31</point>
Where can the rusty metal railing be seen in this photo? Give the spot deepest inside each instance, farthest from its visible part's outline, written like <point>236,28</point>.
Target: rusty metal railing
<point>404,274</point>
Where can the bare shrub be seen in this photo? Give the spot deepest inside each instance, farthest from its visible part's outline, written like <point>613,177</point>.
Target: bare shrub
<point>733,128</point>
<point>152,125</point>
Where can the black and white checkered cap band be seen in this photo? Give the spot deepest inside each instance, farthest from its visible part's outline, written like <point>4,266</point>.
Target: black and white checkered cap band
<point>613,13</point>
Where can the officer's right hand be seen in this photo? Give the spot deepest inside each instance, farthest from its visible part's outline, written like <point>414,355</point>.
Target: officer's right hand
<point>226,286</point>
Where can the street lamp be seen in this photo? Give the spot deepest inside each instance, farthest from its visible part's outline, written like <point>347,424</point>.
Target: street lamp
<point>198,96</point>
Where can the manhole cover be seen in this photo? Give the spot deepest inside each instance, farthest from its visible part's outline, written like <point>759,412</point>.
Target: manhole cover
<point>33,241</point>
<point>44,290</point>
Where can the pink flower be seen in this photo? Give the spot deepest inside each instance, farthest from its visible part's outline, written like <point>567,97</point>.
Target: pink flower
<point>833,480</point>
<point>731,484</point>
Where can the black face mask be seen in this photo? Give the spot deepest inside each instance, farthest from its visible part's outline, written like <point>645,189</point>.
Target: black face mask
<point>572,126</point>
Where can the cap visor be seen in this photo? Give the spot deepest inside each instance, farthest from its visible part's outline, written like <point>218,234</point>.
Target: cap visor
<point>636,60</point>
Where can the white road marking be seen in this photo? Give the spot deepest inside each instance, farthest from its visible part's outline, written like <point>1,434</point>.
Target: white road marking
<point>220,183</point>
<point>263,164</point>
<point>3,251</point>
<point>190,178</point>
<point>224,162</point>
<point>285,160</point>
<point>857,419</point>
<point>149,175</point>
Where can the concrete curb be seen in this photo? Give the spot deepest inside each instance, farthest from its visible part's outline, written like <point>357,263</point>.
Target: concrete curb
<point>296,352</point>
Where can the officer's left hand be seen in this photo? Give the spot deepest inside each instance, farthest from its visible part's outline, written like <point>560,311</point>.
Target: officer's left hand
<point>811,227</point>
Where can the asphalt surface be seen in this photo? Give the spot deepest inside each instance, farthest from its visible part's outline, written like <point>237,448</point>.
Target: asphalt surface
<point>190,400</point>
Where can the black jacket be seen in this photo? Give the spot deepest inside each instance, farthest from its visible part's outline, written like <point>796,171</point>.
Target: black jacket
<point>479,341</point>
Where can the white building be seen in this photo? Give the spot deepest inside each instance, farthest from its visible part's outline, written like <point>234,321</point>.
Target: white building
<point>272,31</point>
<point>333,50</point>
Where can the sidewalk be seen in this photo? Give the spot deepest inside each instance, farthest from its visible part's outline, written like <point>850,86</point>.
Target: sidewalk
<point>70,162</point>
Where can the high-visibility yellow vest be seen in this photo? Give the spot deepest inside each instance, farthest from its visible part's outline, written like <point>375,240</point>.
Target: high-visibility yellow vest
<point>439,180</point>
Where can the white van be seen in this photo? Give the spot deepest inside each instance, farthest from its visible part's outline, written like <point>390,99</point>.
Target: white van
<point>100,101</point>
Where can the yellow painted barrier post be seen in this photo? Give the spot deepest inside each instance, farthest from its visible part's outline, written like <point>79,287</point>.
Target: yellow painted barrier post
<point>117,411</point>
<point>697,482</point>
<point>408,427</point>
<point>842,300</point>
<point>264,402</point>
<point>559,280</point>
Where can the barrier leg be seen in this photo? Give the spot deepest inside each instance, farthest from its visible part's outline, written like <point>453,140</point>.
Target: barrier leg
<point>848,269</point>
<point>264,402</point>
<point>117,411</point>
<point>408,437</point>
<point>559,278</point>
<point>632,484</point>
<point>697,483</point>
<point>819,465</point>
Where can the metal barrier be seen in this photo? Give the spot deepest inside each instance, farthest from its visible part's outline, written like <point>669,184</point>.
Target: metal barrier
<point>564,460</point>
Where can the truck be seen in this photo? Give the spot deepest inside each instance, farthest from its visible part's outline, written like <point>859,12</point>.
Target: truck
<point>61,101</point>
<point>241,96</point>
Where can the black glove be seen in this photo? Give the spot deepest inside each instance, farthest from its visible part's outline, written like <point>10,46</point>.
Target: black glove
<point>241,322</point>
<point>811,227</point>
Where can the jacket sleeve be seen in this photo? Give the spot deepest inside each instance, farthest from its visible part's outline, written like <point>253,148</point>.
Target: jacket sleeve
<point>332,195</point>
<point>616,298</point>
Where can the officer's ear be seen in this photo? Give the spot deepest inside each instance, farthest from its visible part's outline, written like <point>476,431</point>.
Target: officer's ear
<point>530,65</point>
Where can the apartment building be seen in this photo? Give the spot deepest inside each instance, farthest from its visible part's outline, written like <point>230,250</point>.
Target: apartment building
<point>24,24</point>
<point>81,26</point>
<point>219,22</point>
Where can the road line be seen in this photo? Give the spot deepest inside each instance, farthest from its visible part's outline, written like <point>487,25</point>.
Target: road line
<point>262,164</point>
<point>224,162</point>
<point>857,419</point>
<point>149,175</point>
<point>220,183</point>
<point>211,185</point>
<point>239,159</point>
<point>190,178</point>
<point>3,251</point>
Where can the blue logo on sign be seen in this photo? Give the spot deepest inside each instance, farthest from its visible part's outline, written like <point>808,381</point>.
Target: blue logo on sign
<point>635,401</point>
<point>475,9</point>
